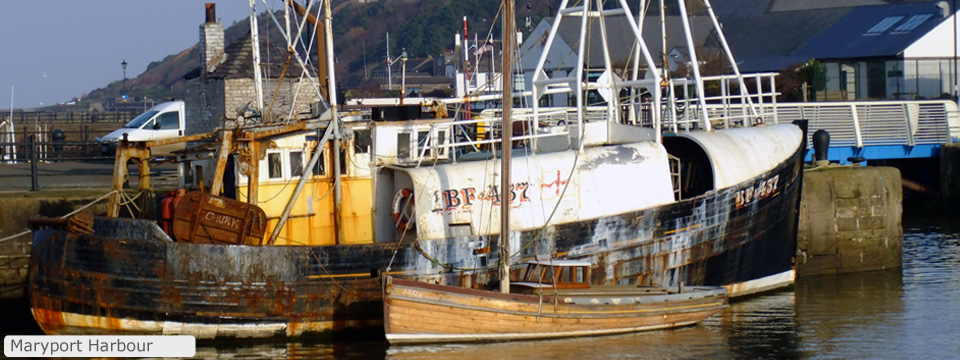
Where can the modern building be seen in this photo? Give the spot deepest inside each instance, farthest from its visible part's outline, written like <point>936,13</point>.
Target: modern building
<point>901,51</point>
<point>869,49</point>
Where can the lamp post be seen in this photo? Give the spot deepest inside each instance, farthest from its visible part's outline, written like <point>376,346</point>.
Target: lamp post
<point>124,66</point>
<point>403,77</point>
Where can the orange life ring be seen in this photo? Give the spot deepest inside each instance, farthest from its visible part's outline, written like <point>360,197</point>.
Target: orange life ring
<point>403,221</point>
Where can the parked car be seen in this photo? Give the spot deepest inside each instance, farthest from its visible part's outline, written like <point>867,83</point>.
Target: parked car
<point>164,121</point>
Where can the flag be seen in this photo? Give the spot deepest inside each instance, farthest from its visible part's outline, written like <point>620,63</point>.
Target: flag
<point>483,49</point>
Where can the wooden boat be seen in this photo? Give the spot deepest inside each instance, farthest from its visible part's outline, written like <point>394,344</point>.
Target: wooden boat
<point>554,299</point>
<point>267,244</point>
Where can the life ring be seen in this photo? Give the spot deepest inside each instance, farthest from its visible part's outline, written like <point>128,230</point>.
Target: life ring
<point>402,200</point>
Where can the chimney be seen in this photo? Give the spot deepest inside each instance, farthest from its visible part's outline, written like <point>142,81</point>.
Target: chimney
<point>944,9</point>
<point>211,40</point>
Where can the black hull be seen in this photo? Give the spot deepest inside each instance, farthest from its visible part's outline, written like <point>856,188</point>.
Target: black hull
<point>130,279</point>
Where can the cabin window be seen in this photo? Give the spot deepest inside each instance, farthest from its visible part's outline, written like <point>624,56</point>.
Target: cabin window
<point>362,141</point>
<point>169,121</point>
<point>547,276</point>
<point>296,163</point>
<point>566,275</point>
<point>274,166</point>
<point>187,173</point>
<point>403,146</point>
<point>457,230</point>
<point>319,169</point>
<point>422,139</point>
<point>343,161</point>
<point>441,140</point>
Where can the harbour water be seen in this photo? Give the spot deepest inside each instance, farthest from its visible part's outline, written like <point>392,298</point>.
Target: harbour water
<point>909,313</point>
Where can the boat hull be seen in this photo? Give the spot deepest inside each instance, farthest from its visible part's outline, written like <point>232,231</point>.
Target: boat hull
<point>417,312</point>
<point>131,278</point>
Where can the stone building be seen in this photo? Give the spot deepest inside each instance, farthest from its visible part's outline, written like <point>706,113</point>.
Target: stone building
<point>223,88</point>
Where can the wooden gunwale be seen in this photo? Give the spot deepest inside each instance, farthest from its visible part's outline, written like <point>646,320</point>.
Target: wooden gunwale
<point>548,309</point>
<point>434,313</point>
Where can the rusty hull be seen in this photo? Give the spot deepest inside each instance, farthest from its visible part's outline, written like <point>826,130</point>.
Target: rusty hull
<point>130,277</point>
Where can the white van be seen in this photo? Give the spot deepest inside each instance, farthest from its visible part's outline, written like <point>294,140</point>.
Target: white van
<point>164,121</point>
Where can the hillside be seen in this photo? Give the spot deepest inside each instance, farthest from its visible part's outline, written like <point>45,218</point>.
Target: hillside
<point>422,27</point>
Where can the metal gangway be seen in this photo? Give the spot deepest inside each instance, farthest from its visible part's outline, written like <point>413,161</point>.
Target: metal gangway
<point>875,130</point>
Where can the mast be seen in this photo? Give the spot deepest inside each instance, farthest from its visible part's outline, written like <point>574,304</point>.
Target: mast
<point>255,40</point>
<point>389,64</point>
<point>321,43</point>
<point>334,121</point>
<point>506,130</point>
<point>466,69</point>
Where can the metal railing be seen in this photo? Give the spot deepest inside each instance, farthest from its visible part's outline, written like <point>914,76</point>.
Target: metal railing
<point>734,106</point>
<point>76,144</point>
<point>31,117</point>
<point>48,150</point>
<point>861,124</point>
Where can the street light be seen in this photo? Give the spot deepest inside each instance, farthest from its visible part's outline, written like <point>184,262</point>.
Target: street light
<point>124,66</point>
<point>403,78</point>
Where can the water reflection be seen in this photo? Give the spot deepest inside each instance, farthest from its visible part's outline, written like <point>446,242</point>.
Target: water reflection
<point>696,342</point>
<point>849,315</point>
<point>326,349</point>
<point>761,327</point>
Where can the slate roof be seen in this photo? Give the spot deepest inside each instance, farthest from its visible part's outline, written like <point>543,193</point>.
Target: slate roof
<point>848,38</point>
<point>770,35</point>
<point>762,40</point>
<point>799,5</point>
<point>239,61</point>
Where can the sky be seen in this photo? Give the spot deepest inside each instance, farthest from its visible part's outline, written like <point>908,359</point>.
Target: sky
<point>52,51</point>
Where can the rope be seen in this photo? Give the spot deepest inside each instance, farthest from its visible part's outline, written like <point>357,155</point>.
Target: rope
<point>27,231</point>
<point>335,282</point>
<point>11,237</point>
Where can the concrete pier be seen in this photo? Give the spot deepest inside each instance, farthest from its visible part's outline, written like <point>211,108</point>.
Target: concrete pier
<point>850,220</point>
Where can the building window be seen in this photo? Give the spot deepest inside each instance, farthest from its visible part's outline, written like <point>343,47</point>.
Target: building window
<point>274,166</point>
<point>912,23</point>
<point>883,25</point>
<point>296,163</point>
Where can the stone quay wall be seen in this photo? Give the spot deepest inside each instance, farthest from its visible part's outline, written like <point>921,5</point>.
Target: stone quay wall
<point>850,220</point>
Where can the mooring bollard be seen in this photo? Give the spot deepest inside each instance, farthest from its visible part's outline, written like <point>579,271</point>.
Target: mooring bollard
<point>821,146</point>
<point>58,137</point>
<point>34,186</point>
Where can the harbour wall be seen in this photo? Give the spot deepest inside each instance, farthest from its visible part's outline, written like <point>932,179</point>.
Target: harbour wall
<point>16,209</point>
<point>949,196</point>
<point>850,220</point>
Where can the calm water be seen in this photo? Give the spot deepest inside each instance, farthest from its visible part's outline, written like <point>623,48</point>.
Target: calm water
<point>913,313</point>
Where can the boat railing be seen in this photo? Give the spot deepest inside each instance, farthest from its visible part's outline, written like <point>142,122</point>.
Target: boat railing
<point>727,103</point>
<point>433,147</point>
